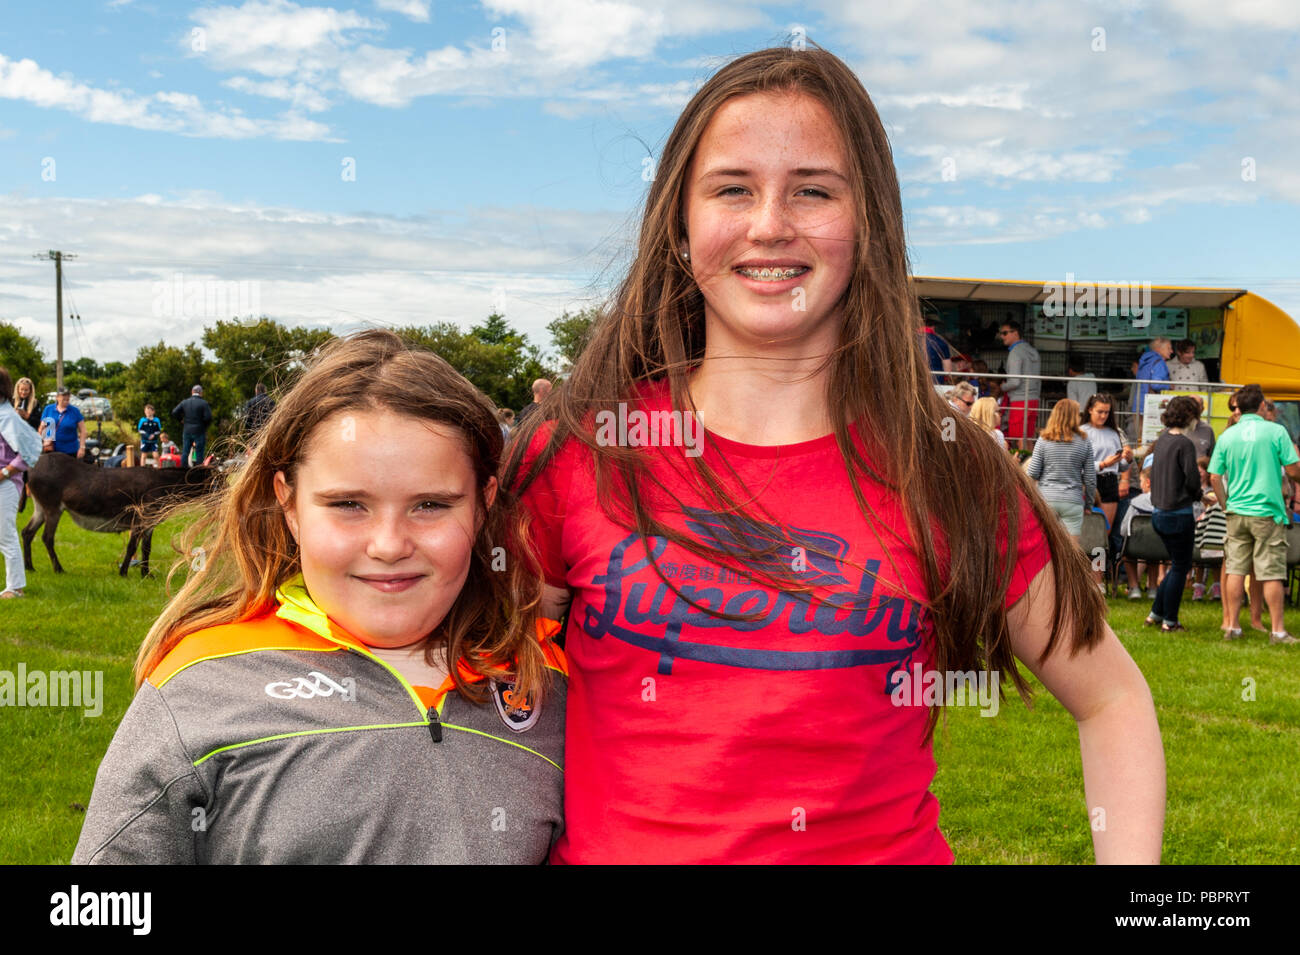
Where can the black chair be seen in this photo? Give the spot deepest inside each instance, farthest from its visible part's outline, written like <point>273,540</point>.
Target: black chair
<point>1144,543</point>
<point>1095,535</point>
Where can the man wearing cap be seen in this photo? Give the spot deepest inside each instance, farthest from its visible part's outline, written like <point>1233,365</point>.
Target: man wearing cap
<point>195,415</point>
<point>63,427</point>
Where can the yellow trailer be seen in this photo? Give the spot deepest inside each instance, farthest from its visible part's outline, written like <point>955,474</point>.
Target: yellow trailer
<point>1250,338</point>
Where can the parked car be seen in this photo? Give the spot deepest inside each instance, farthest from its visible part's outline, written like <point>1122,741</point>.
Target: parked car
<point>96,408</point>
<point>92,406</point>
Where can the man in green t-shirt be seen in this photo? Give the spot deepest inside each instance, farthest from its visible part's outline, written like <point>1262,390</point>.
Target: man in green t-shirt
<point>1246,471</point>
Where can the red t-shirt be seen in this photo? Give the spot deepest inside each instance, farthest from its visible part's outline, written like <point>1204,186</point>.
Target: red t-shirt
<point>695,739</point>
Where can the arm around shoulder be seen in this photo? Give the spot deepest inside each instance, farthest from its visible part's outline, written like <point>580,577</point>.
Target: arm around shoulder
<point>148,803</point>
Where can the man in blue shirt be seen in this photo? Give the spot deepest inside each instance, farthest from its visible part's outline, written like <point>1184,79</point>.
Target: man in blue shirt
<point>63,425</point>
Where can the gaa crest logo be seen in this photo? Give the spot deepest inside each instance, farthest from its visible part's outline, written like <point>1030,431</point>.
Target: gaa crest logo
<point>515,709</point>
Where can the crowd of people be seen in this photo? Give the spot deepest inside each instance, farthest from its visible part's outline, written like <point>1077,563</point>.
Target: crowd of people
<point>1162,365</point>
<point>1084,462</point>
<point>28,429</point>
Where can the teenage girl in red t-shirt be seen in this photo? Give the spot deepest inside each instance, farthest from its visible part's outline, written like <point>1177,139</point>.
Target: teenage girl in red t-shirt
<point>738,611</point>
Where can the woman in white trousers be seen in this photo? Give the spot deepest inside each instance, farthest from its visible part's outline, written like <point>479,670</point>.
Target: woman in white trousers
<point>20,446</point>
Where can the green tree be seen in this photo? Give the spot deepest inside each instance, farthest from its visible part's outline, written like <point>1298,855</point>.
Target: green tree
<point>113,379</point>
<point>161,375</point>
<point>571,332</point>
<point>84,367</point>
<point>497,331</point>
<point>496,358</point>
<point>265,351</point>
<point>21,356</point>
<point>509,381</point>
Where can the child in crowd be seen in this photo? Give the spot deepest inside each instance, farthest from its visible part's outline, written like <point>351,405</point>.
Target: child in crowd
<point>1211,535</point>
<point>169,456</point>
<point>1141,504</point>
<point>150,429</point>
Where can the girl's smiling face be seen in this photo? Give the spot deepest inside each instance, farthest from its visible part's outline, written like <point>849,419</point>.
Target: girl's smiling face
<point>384,508</point>
<point>770,221</point>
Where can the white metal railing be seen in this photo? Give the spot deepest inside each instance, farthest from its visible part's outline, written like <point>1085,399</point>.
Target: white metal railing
<point>952,377</point>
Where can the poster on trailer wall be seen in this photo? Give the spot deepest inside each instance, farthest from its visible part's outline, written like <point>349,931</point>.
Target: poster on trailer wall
<point>1205,329</point>
<point>1155,406</point>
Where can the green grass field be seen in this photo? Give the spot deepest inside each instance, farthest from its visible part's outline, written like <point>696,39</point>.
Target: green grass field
<point>1010,786</point>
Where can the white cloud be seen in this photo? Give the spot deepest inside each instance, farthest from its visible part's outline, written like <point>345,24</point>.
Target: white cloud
<point>1182,93</point>
<point>1000,160</point>
<point>957,217</point>
<point>1210,15</point>
<point>315,55</point>
<point>300,95</point>
<point>417,10</point>
<point>569,34</point>
<point>342,271</point>
<point>277,38</point>
<point>992,96</point>
<point>174,112</point>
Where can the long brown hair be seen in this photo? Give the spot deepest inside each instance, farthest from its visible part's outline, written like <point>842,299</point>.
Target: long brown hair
<point>1099,398</point>
<point>1063,425</point>
<point>247,551</point>
<point>948,477</point>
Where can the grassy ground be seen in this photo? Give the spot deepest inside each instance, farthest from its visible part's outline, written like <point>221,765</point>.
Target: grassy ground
<point>1010,786</point>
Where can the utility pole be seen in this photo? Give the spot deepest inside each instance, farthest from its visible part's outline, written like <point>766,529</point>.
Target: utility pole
<point>58,258</point>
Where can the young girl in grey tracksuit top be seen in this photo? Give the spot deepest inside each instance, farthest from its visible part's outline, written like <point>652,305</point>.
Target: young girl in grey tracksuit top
<point>351,672</point>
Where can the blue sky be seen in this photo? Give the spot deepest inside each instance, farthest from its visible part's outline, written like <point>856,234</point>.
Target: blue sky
<point>1104,139</point>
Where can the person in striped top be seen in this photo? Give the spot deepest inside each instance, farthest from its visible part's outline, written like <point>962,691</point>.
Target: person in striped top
<point>1064,467</point>
<point>1211,535</point>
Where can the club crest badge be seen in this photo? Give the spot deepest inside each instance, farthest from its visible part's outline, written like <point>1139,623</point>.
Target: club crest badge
<point>516,710</point>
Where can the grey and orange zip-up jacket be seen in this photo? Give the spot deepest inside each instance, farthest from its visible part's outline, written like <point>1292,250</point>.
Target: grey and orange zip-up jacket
<point>281,739</point>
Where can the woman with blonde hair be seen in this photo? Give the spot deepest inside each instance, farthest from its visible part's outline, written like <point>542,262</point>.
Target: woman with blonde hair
<point>27,402</point>
<point>985,414</point>
<point>1063,466</point>
<point>744,493</point>
<point>20,446</point>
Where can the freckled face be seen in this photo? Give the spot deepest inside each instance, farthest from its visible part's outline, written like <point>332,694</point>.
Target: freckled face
<point>385,510</point>
<point>770,221</point>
